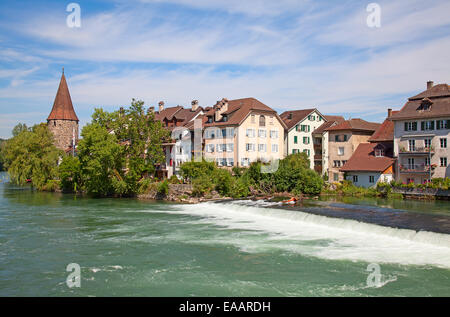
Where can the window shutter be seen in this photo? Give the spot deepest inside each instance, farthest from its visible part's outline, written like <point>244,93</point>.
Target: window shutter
<point>447,124</point>
<point>438,124</point>
<point>422,125</point>
<point>406,126</point>
<point>432,125</point>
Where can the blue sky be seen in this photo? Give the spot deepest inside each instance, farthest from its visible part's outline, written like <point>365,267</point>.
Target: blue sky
<point>290,54</point>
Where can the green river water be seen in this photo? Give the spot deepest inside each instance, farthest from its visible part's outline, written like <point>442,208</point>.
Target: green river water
<point>127,247</point>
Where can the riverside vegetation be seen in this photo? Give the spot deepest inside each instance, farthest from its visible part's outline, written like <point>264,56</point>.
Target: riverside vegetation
<point>117,155</point>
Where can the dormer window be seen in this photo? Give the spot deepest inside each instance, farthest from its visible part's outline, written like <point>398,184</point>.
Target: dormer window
<point>225,118</point>
<point>210,119</point>
<point>380,151</point>
<point>425,105</point>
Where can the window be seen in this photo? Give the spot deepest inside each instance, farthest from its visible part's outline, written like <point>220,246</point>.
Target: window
<point>294,151</point>
<point>412,145</point>
<point>336,177</point>
<point>344,162</point>
<point>410,126</point>
<point>230,161</point>
<point>341,151</point>
<point>355,178</point>
<point>305,128</point>
<point>443,162</point>
<point>410,180</point>
<point>345,137</point>
<point>262,147</point>
<point>250,147</point>
<point>443,143</point>
<point>306,140</point>
<point>442,124</point>
<point>245,162</point>
<point>210,148</point>
<point>230,132</point>
<point>336,138</point>
<point>230,147</point>
<point>262,121</point>
<point>225,118</point>
<point>427,161</point>
<point>274,134</point>
<point>253,118</point>
<point>271,120</point>
<point>275,148</point>
<point>371,179</point>
<point>411,164</point>
<point>262,133</point>
<point>210,119</point>
<point>295,139</point>
<point>427,125</point>
<point>379,152</point>
<point>427,143</point>
<point>336,163</point>
<point>308,152</point>
<point>250,133</point>
<point>221,148</point>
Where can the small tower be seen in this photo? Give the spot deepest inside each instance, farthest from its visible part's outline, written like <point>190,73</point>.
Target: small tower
<point>62,121</point>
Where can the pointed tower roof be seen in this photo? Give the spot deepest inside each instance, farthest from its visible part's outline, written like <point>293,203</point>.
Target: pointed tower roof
<point>62,107</point>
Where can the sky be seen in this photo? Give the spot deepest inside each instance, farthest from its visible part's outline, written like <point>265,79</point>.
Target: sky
<point>289,54</point>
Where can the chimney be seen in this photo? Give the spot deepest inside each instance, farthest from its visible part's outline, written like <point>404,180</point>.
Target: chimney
<point>430,84</point>
<point>389,113</point>
<point>151,110</point>
<point>221,107</point>
<point>161,106</point>
<point>194,105</point>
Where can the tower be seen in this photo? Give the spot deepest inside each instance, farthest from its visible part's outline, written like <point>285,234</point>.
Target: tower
<point>63,121</point>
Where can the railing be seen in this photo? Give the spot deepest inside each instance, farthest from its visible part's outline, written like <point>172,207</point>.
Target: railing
<point>418,149</point>
<point>416,168</point>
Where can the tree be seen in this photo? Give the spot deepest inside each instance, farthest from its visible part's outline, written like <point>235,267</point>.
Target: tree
<point>70,174</point>
<point>100,157</point>
<point>19,128</point>
<point>2,145</point>
<point>31,155</point>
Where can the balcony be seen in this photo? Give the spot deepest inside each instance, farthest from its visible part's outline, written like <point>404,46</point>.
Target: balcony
<point>318,157</point>
<point>418,150</point>
<point>416,168</point>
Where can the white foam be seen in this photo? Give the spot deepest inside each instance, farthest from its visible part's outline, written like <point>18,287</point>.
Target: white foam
<point>321,236</point>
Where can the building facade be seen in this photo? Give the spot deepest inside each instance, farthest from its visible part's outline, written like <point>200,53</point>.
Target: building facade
<point>373,162</point>
<point>239,132</point>
<point>300,125</point>
<point>344,139</point>
<point>421,136</point>
<point>63,121</point>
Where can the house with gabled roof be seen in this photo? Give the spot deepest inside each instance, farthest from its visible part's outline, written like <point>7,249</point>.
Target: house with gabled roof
<point>241,131</point>
<point>421,135</point>
<point>300,125</point>
<point>373,162</point>
<point>344,139</point>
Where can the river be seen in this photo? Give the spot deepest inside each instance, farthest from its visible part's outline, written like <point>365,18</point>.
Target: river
<point>127,247</point>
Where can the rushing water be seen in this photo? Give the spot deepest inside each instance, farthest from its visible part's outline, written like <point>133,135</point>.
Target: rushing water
<point>242,248</point>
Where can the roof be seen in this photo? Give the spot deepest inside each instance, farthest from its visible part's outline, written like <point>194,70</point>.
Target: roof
<point>297,116</point>
<point>238,110</point>
<point>385,132</point>
<point>364,159</point>
<point>62,106</point>
<point>331,121</point>
<point>438,97</point>
<point>179,113</point>
<point>356,125</point>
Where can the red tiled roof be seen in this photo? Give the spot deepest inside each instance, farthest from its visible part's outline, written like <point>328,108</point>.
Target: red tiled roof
<point>438,97</point>
<point>331,121</point>
<point>364,160</point>
<point>238,110</point>
<point>62,107</point>
<point>355,124</point>
<point>297,116</point>
<point>385,132</point>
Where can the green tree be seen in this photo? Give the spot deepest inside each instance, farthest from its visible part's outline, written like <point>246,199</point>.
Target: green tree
<point>101,159</point>
<point>19,128</point>
<point>2,145</point>
<point>32,155</point>
<point>70,174</point>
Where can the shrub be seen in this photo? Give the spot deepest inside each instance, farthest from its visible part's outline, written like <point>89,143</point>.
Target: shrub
<point>163,188</point>
<point>174,180</point>
<point>202,186</point>
<point>223,181</point>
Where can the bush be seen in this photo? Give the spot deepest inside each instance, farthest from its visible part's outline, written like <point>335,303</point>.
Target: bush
<point>202,186</point>
<point>163,188</point>
<point>223,181</point>
<point>174,180</point>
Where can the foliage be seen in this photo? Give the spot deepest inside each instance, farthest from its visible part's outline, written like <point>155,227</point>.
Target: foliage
<point>19,128</point>
<point>2,145</point>
<point>31,155</point>
<point>163,188</point>
<point>193,170</point>
<point>70,174</point>
<point>202,185</point>
<point>174,180</point>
